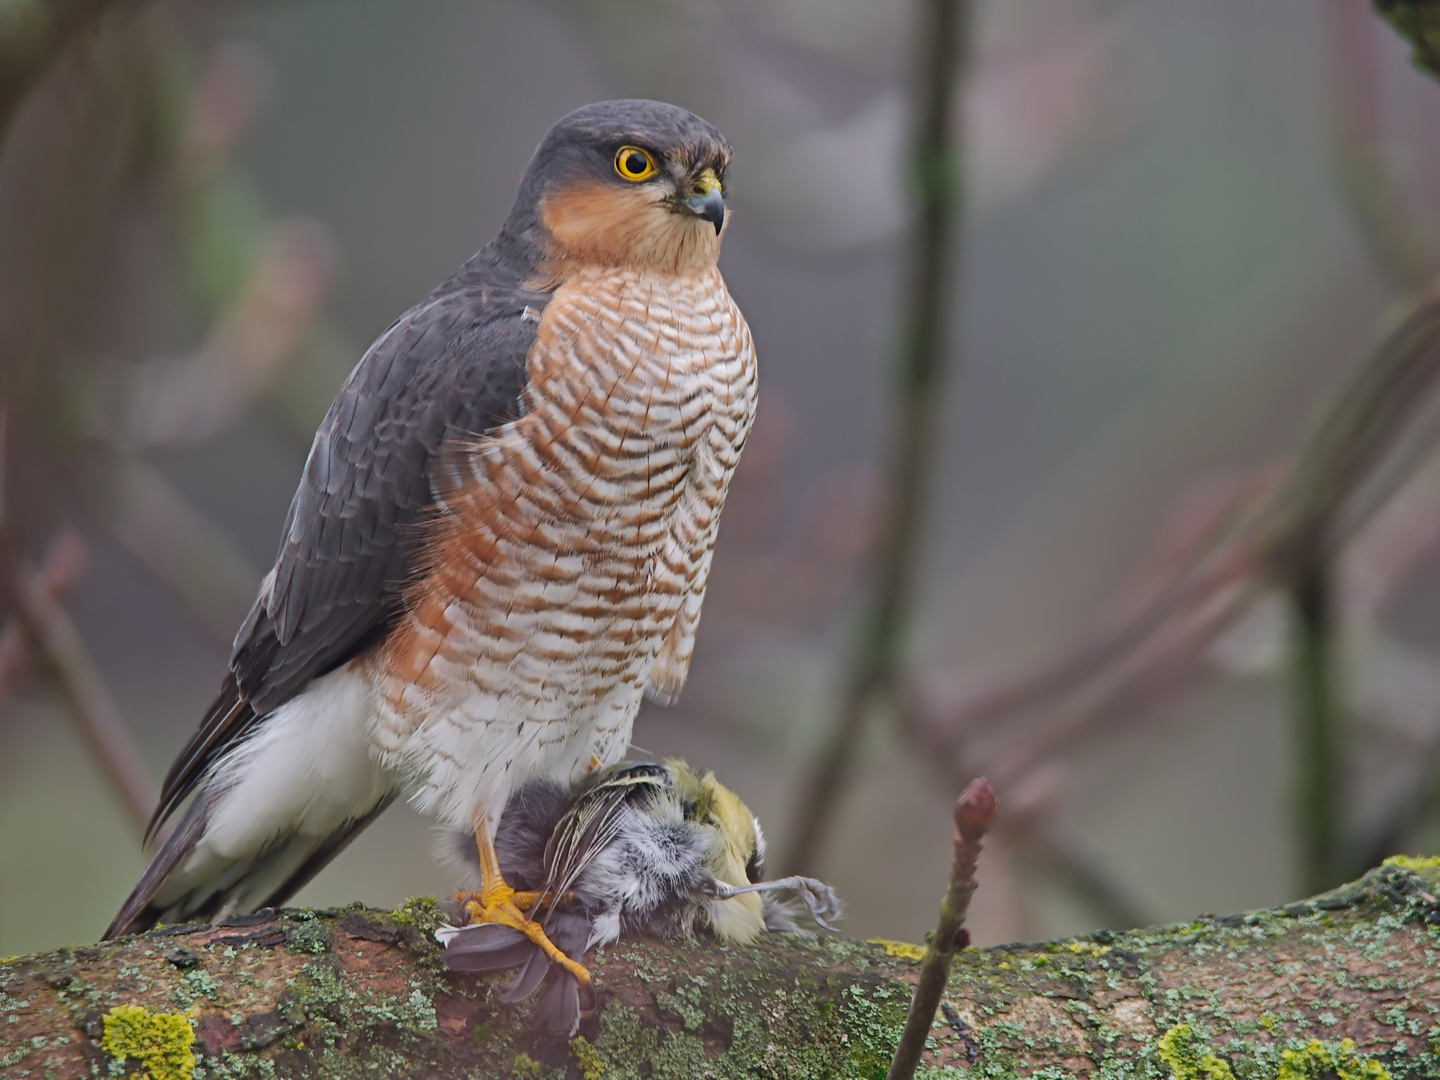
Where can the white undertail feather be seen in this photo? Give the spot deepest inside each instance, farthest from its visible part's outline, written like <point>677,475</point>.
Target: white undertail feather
<point>305,770</point>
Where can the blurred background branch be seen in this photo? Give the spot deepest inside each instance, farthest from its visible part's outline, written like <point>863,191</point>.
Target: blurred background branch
<point>34,35</point>
<point>156,156</point>
<point>59,642</point>
<point>1266,534</point>
<point>1395,232</point>
<point>923,354</point>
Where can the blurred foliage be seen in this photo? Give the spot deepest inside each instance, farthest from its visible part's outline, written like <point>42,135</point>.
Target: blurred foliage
<point>1419,22</point>
<point>127,228</point>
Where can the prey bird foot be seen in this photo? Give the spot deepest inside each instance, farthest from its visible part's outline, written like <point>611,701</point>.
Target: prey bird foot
<point>503,906</point>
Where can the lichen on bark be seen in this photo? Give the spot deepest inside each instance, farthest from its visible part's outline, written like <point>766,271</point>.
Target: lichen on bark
<point>1340,985</point>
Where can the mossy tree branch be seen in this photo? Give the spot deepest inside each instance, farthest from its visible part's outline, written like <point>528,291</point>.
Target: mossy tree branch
<point>1338,985</point>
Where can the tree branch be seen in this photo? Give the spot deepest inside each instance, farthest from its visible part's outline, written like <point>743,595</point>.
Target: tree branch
<point>98,717</point>
<point>33,36</point>
<point>942,40</point>
<point>354,992</point>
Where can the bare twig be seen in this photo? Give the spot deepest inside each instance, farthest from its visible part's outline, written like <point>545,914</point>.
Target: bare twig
<point>100,721</point>
<point>943,27</point>
<point>185,551</point>
<point>974,812</point>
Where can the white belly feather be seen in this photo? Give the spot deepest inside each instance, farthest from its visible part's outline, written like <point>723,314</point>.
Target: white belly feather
<point>305,771</point>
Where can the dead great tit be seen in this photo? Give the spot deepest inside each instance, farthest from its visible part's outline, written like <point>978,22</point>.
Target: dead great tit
<point>634,850</point>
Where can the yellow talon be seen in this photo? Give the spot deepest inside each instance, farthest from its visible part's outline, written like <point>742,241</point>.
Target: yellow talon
<point>498,903</point>
<point>473,902</point>
<point>503,909</point>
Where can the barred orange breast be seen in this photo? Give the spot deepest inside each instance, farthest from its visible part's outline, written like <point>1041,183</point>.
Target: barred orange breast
<point>567,567</point>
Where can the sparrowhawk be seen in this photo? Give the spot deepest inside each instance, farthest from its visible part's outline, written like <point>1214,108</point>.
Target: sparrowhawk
<point>501,537</point>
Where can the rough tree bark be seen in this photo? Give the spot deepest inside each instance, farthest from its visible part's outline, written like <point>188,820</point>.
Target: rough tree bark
<point>1346,985</point>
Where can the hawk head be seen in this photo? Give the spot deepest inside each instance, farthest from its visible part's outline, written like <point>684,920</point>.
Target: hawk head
<point>628,183</point>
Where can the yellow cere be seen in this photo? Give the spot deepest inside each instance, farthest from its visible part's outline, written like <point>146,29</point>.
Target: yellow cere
<point>902,949</point>
<point>634,164</point>
<point>707,182</point>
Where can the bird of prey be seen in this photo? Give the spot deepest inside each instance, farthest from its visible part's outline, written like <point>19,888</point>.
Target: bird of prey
<point>501,537</point>
<point>636,849</point>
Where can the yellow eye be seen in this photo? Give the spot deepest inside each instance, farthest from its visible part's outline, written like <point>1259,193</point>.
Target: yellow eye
<point>634,164</point>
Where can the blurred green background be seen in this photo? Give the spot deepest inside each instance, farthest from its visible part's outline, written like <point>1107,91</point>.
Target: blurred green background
<point>207,211</point>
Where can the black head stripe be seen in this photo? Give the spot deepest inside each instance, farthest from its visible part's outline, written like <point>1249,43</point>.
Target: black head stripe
<point>755,865</point>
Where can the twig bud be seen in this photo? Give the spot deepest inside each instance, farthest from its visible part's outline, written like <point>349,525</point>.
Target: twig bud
<point>975,810</point>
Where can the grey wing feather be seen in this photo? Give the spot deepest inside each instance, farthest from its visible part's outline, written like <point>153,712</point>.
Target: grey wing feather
<point>453,365</point>
<point>208,898</point>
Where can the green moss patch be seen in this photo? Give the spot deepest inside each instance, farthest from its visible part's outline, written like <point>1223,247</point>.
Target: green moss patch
<point>1428,865</point>
<point>1189,1058</point>
<point>1315,1061</point>
<point>157,1042</point>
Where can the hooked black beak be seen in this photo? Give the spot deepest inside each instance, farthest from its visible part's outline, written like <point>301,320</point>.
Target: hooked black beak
<point>710,206</point>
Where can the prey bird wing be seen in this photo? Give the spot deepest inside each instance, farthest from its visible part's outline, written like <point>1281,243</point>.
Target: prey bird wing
<point>593,822</point>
